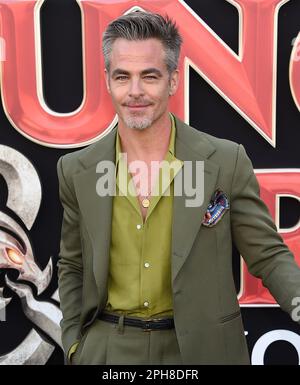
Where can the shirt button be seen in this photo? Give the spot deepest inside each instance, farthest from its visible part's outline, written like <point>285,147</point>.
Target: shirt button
<point>139,227</point>
<point>146,304</point>
<point>147,264</point>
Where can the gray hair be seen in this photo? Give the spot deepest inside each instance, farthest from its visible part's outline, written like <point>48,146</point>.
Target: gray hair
<point>140,25</point>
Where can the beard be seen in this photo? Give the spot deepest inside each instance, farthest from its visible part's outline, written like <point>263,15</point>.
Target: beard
<point>138,120</point>
<point>138,123</point>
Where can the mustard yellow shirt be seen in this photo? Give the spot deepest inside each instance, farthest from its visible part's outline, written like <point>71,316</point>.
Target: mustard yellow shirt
<point>140,252</point>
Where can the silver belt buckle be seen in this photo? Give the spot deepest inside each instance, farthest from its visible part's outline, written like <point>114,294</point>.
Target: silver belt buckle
<point>145,329</point>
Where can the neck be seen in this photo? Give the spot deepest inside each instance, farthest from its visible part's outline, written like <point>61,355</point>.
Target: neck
<point>149,144</point>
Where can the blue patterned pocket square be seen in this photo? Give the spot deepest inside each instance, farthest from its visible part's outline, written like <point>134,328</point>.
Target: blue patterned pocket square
<point>216,208</point>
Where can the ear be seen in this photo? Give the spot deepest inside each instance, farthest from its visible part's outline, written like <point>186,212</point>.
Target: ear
<point>174,82</point>
<point>107,80</point>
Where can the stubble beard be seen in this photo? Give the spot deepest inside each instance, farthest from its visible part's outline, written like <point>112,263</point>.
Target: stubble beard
<point>138,123</point>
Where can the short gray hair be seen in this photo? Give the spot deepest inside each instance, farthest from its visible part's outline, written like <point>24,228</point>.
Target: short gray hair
<point>140,25</point>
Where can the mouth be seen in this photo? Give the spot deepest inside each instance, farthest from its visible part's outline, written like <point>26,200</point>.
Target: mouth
<point>137,107</point>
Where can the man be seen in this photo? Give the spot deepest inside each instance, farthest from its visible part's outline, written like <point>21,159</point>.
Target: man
<point>147,279</point>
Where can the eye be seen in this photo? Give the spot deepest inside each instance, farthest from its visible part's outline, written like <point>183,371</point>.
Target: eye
<point>121,77</point>
<point>150,77</point>
<point>14,256</point>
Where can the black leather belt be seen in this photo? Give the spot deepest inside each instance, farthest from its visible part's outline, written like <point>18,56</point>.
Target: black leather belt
<point>146,325</point>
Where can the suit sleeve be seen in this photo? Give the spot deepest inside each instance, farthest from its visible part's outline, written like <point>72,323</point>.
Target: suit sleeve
<point>70,268</point>
<point>256,237</point>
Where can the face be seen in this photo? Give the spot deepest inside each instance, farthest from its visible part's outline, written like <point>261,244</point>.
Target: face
<point>139,82</point>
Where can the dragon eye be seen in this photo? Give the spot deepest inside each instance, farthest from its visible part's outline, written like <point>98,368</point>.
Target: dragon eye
<point>14,256</point>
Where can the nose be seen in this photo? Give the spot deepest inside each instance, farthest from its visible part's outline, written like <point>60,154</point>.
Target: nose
<point>136,88</point>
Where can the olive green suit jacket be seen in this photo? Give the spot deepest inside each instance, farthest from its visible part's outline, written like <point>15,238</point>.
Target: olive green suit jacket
<point>207,315</point>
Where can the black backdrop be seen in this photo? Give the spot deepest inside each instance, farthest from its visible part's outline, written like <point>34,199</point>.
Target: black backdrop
<point>209,112</point>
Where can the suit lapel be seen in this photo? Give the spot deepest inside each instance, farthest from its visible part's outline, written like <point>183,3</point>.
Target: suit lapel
<point>187,220</point>
<point>96,210</point>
